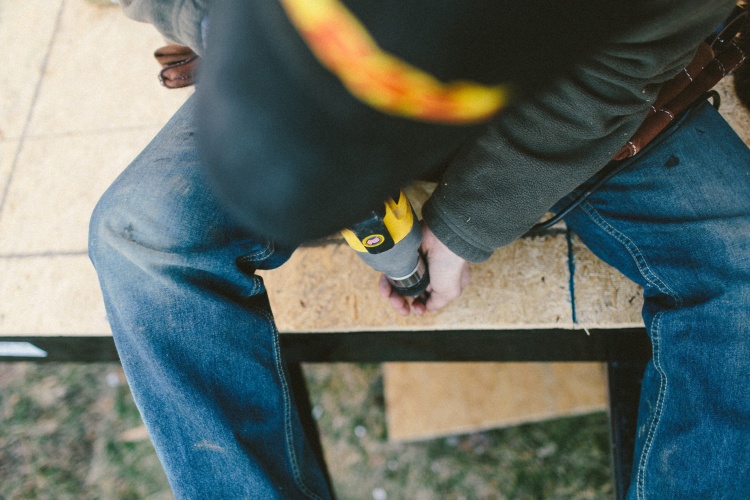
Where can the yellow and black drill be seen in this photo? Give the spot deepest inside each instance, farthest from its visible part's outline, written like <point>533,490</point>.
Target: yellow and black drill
<point>388,241</point>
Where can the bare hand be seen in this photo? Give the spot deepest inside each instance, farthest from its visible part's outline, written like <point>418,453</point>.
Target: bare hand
<point>449,275</point>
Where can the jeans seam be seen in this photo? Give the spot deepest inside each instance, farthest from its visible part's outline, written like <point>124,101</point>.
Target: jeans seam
<point>635,252</point>
<point>656,419</point>
<point>651,277</point>
<point>288,433</point>
<point>263,253</point>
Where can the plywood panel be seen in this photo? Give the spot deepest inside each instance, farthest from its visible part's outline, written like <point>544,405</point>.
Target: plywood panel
<point>427,400</point>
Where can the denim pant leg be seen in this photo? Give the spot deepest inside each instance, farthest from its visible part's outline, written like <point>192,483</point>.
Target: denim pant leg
<point>194,331</point>
<point>678,223</point>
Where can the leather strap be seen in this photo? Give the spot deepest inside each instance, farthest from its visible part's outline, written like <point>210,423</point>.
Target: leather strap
<point>715,58</point>
<point>180,66</point>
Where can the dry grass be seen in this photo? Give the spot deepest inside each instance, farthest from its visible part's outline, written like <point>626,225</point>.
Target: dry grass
<point>72,431</point>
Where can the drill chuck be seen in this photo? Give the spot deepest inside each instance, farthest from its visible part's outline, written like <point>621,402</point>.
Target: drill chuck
<point>414,283</point>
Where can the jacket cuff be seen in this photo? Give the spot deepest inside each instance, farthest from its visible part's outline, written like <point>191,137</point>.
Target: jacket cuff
<point>440,225</point>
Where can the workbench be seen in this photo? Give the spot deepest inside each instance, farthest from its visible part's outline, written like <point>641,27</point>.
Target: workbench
<point>543,299</point>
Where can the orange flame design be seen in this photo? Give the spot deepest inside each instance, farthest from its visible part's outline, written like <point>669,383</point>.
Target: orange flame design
<point>343,45</point>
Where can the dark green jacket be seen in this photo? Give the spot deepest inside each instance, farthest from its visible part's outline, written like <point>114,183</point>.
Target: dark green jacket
<point>544,146</point>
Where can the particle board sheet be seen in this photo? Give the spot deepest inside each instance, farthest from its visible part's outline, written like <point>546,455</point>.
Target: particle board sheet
<point>329,289</point>
<point>50,296</point>
<point>732,109</point>
<point>429,400</point>
<point>604,297</point>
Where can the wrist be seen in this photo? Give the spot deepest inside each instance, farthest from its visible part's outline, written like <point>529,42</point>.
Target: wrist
<point>442,231</point>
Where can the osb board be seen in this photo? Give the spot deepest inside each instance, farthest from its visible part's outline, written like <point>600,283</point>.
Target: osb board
<point>427,400</point>
<point>329,289</point>
<point>603,296</point>
<point>732,110</point>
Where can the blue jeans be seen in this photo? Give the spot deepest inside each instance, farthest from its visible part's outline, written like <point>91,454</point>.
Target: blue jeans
<point>199,346</point>
<point>677,222</point>
<point>194,331</point>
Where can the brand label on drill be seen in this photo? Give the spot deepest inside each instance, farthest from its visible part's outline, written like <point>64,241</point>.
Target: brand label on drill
<point>373,240</point>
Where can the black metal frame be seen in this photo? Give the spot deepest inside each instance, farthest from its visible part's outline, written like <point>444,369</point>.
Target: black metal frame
<point>626,352</point>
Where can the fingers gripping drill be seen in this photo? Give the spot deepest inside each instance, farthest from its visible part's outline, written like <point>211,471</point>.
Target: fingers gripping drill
<point>388,241</point>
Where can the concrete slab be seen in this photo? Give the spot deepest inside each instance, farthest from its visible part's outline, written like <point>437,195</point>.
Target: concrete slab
<point>7,154</point>
<point>56,185</point>
<point>101,75</point>
<point>26,31</point>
